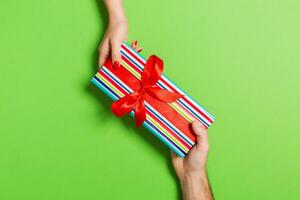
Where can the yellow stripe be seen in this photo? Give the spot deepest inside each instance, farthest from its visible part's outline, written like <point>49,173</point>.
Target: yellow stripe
<point>148,117</point>
<point>182,112</point>
<point>110,85</point>
<point>174,105</point>
<point>131,70</point>
<point>166,133</point>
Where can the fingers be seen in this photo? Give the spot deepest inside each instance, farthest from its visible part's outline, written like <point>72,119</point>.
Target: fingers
<point>198,128</point>
<point>202,137</point>
<point>176,160</point>
<point>134,43</point>
<point>174,155</point>
<point>135,46</point>
<point>103,52</point>
<point>115,53</point>
<point>112,48</point>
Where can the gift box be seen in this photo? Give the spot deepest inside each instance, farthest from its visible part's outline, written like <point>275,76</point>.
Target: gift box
<point>139,87</point>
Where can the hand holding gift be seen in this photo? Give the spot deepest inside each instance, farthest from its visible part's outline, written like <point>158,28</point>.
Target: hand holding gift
<point>164,109</point>
<point>146,95</point>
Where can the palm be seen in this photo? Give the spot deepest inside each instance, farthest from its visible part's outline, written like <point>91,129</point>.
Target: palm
<point>195,160</point>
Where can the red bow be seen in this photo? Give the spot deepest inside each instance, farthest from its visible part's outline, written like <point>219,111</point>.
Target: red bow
<point>135,101</point>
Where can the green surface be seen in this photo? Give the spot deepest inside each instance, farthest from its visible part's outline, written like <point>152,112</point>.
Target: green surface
<point>241,59</point>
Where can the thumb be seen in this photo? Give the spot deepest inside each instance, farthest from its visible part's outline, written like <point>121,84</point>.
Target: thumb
<point>176,161</point>
<point>202,137</point>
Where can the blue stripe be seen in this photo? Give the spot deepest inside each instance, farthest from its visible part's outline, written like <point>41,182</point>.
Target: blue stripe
<point>195,114</point>
<point>150,126</point>
<point>120,84</point>
<point>202,107</point>
<point>166,123</point>
<point>147,125</point>
<point>138,55</point>
<point>104,88</point>
<point>151,110</point>
<point>183,104</point>
<point>166,89</point>
<point>134,51</point>
<point>124,54</point>
<point>154,128</point>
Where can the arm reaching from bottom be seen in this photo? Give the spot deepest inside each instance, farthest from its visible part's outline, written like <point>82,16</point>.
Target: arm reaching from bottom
<point>191,170</point>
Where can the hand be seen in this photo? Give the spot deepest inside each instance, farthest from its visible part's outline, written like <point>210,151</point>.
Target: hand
<point>191,170</point>
<point>111,43</point>
<point>195,161</point>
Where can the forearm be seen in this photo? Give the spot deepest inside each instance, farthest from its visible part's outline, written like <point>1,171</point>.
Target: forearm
<point>196,187</point>
<point>115,10</point>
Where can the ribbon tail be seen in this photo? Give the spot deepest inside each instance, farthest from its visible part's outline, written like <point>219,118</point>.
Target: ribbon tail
<point>163,95</point>
<point>124,105</point>
<point>139,112</point>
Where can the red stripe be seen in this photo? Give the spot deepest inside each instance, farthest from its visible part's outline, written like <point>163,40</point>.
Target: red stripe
<point>169,130</point>
<point>148,112</point>
<point>173,89</point>
<point>112,82</point>
<point>175,118</point>
<point>124,75</point>
<point>128,62</point>
<point>132,65</point>
<point>172,116</point>
<point>187,101</point>
<point>132,54</point>
<point>166,83</point>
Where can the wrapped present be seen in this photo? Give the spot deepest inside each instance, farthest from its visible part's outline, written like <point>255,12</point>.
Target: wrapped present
<point>139,87</point>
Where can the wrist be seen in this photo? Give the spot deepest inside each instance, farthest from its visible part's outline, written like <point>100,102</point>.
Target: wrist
<point>117,22</point>
<point>117,19</point>
<point>192,177</point>
<point>115,11</point>
<point>117,16</point>
<point>195,186</point>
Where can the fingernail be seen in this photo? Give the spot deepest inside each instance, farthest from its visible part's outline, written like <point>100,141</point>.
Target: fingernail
<point>135,42</point>
<point>139,50</point>
<point>116,64</point>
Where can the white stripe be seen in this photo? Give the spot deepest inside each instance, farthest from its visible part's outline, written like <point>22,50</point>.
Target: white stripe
<point>111,74</point>
<point>158,134</point>
<point>182,136</point>
<point>102,87</point>
<point>176,90</point>
<point>183,102</point>
<point>193,102</point>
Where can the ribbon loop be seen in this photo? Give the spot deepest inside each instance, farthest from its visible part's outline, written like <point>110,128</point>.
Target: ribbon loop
<point>135,101</point>
<point>152,71</point>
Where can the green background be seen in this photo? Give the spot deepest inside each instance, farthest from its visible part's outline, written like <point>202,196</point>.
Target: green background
<point>241,59</point>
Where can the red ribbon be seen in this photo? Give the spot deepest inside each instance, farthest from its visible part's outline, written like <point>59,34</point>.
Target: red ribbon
<point>135,101</point>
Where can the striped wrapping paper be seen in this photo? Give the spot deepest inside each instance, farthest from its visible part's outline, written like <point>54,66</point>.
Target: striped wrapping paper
<point>170,122</point>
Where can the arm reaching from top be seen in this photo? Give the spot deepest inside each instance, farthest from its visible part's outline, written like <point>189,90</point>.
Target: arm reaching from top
<point>116,32</point>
